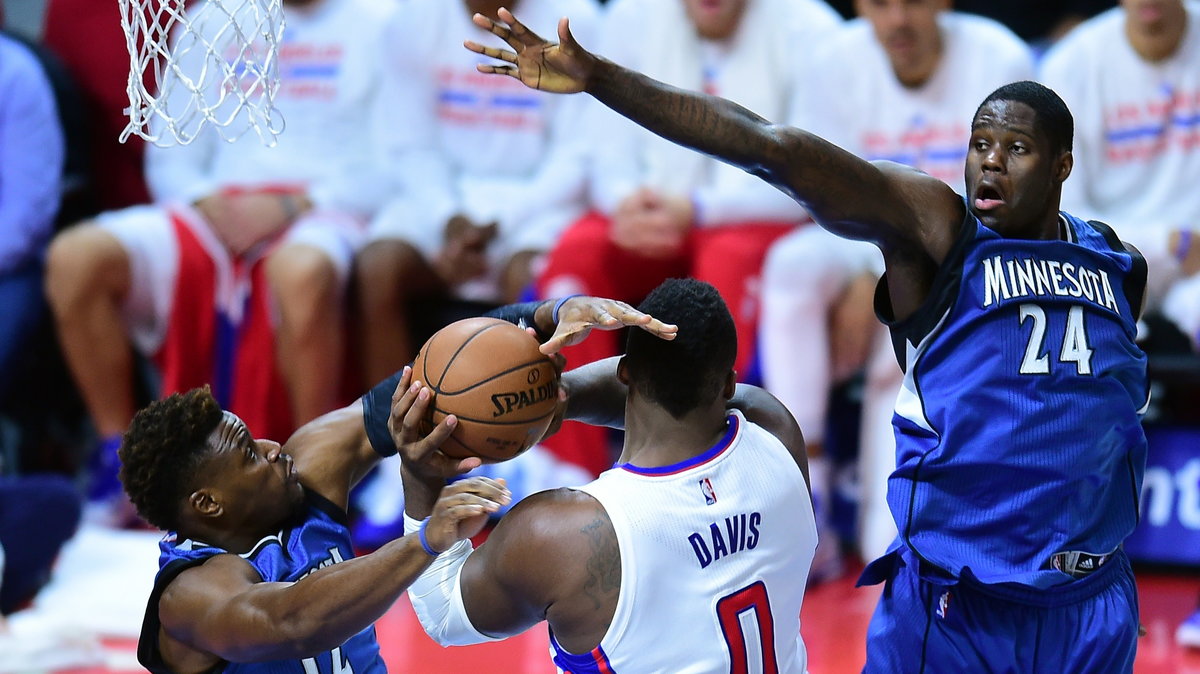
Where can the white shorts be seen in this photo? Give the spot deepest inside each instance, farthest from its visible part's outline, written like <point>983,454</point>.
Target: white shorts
<point>146,234</point>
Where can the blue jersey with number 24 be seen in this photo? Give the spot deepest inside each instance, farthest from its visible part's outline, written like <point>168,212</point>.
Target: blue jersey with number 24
<point>1018,430</point>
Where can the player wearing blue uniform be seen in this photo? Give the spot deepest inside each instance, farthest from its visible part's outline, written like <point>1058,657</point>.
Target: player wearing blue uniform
<point>257,574</point>
<point>1020,455</point>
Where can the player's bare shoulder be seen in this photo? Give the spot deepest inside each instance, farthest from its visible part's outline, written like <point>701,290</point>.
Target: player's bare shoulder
<point>566,543</point>
<point>764,409</point>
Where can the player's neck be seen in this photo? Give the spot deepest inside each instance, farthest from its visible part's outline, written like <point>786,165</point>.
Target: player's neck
<point>1158,41</point>
<point>654,438</point>
<point>238,542</point>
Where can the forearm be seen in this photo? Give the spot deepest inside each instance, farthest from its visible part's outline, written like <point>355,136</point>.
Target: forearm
<point>596,396</point>
<point>708,124</point>
<point>826,179</point>
<point>327,607</point>
<point>420,493</point>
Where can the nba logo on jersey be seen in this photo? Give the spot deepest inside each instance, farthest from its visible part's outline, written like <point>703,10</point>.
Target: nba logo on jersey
<point>710,496</point>
<point>943,604</point>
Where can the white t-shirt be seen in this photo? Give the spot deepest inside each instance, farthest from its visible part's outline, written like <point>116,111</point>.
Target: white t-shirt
<point>485,146</point>
<point>757,68</point>
<point>1137,129</point>
<point>854,99</point>
<point>714,551</point>
<point>330,73</point>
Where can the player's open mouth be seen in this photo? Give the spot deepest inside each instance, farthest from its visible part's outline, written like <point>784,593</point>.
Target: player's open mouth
<point>988,198</point>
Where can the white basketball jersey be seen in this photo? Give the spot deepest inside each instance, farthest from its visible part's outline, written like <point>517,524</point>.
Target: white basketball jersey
<point>715,553</point>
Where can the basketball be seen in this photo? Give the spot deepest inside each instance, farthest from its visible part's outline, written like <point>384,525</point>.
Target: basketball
<point>490,374</point>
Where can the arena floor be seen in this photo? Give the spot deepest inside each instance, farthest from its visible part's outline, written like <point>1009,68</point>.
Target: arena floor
<point>103,579</point>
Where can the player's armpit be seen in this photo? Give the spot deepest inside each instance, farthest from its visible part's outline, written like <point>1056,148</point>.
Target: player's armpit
<point>332,453</point>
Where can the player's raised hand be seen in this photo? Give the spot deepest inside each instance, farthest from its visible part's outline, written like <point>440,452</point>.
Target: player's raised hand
<point>418,447</point>
<point>576,317</point>
<point>562,68</point>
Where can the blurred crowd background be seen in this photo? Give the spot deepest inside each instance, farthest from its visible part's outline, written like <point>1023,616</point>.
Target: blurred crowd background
<point>408,190</point>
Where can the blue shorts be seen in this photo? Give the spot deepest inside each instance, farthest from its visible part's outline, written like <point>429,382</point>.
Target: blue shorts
<point>922,625</point>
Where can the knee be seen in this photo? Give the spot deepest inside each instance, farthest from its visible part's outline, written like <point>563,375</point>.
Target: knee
<point>303,277</point>
<point>84,263</point>
<point>384,272</point>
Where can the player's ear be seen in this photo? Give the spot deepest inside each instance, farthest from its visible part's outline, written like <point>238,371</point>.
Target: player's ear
<point>622,372</point>
<point>730,385</point>
<point>1062,169</point>
<point>204,504</point>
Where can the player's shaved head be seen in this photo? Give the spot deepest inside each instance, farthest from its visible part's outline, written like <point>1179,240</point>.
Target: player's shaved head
<point>692,369</point>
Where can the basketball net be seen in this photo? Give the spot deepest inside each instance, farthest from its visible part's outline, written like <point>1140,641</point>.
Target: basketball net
<point>215,65</point>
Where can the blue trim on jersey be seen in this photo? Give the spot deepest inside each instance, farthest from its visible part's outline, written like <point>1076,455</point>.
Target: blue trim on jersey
<point>716,450</point>
<point>594,661</point>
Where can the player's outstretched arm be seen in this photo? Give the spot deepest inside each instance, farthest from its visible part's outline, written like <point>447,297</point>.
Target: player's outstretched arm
<point>223,609</point>
<point>896,208</point>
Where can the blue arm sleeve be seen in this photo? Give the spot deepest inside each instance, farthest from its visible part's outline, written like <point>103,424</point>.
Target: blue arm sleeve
<point>377,406</point>
<point>518,314</point>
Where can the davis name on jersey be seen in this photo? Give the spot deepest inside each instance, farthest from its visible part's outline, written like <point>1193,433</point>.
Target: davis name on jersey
<point>741,533</point>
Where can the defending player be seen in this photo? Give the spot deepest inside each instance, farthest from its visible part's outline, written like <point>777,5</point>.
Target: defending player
<point>704,524</point>
<point>1020,452</point>
<point>257,574</point>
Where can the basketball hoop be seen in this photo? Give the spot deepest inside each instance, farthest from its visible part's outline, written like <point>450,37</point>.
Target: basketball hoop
<point>215,65</point>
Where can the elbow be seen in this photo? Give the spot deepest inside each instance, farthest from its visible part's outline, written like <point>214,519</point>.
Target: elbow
<point>780,143</point>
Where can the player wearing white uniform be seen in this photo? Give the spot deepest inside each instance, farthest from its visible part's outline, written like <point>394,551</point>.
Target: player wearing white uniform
<point>488,173</point>
<point>908,77</point>
<point>1132,79</point>
<point>298,208</point>
<point>756,525</point>
<point>691,555</point>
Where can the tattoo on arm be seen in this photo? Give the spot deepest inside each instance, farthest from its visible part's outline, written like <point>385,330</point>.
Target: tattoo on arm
<point>604,561</point>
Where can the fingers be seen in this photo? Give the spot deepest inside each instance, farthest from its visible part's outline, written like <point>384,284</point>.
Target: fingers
<point>470,497</point>
<point>519,31</point>
<point>567,334</point>
<point>492,52</point>
<point>493,489</point>
<point>419,398</point>
<point>499,30</point>
<point>402,385</point>
<point>667,331</point>
<point>564,35</point>
<point>511,71</point>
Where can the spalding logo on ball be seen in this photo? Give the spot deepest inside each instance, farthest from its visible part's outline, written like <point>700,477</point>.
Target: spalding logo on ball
<point>490,374</point>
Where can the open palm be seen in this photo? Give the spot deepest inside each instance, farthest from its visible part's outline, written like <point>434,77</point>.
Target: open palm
<point>561,68</point>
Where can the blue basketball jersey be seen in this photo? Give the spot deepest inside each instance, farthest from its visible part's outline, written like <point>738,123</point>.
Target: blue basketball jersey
<point>321,539</point>
<point>1017,428</point>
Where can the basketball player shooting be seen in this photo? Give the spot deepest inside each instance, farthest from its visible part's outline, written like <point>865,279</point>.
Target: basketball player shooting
<point>1020,453</point>
<point>257,572</point>
<point>654,566</point>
